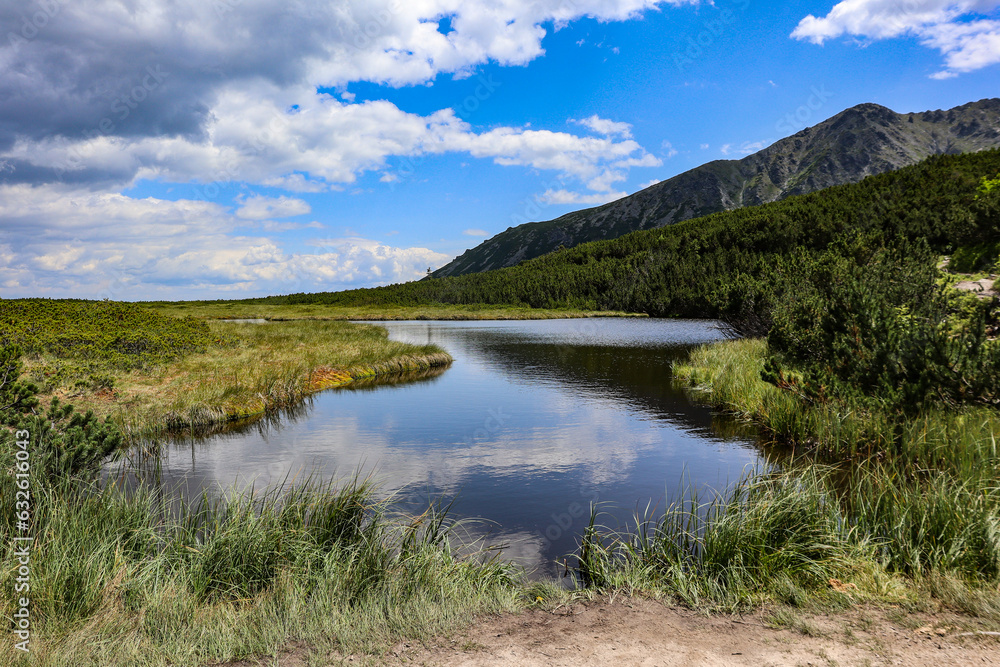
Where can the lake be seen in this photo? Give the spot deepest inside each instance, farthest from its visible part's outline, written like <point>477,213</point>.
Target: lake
<point>533,422</point>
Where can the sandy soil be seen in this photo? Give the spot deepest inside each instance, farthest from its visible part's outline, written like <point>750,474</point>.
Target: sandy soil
<point>627,631</point>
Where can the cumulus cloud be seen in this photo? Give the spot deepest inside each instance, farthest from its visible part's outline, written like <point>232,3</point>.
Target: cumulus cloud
<point>958,29</point>
<point>605,126</point>
<point>476,232</point>
<point>91,60</point>
<point>100,94</point>
<point>259,207</point>
<point>255,138</point>
<point>568,197</point>
<point>74,242</point>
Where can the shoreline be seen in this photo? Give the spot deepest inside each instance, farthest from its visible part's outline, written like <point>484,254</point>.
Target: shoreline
<point>314,312</point>
<point>318,379</point>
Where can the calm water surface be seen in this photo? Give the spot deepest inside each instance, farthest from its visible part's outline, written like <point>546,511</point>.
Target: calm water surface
<point>533,422</point>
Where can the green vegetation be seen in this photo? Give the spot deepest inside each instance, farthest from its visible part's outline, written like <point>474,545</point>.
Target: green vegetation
<point>147,371</point>
<point>714,265</point>
<point>310,311</point>
<point>143,576</point>
<point>907,509</point>
<point>84,343</point>
<point>881,381</point>
<point>878,377</point>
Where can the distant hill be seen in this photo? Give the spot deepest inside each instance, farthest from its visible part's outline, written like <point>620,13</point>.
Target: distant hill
<point>859,142</point>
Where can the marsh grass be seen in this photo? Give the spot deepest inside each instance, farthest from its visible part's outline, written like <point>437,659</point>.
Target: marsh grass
<point>869,507</point>
<point>805,538</point>
<point>249,310</point>
<point>260,368</point>
<point>126,578</point>
<point>962,442</point>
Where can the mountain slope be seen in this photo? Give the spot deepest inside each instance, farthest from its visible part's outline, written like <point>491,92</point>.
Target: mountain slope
<point>859,142</point>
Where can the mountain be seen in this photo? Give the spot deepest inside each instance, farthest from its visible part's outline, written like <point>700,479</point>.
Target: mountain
<point>859,142</point>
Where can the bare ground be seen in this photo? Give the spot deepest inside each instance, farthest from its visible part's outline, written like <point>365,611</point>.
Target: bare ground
<point>629,631</point>
<point>632,631</point>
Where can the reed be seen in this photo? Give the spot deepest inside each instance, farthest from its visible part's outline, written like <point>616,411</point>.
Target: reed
<point>960,442</point>
<point>809,536</point>
<point>869,506</point>
<point>144,578</point>
<point>261,368</point>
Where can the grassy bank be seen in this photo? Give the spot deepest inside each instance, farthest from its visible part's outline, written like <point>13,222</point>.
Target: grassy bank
<point>124,579</point>
<point>146,577</point>
<point>319,311</point>
<point>259,368</point>
<point>148,371</point>
<point>909,517</point>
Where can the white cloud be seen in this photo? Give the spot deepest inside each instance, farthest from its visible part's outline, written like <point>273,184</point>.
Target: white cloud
<point>187,91</point>
<point>956,28</point>
<point>259,207</point>
<point>648,184</point>
<point>704,147</point>
<point>95,245</point>
<point>568,197</point>
<point>746,148</point>
<point>476,232</point>
<point>255,139</point>
<point>966,46</point>
<point>668,149</point>
<point>604,126</point>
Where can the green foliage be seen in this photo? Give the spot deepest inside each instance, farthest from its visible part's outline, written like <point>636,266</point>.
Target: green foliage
<point>782,536</point>
<point>693,268</point>
<point>988,185</point>
<point>974,258</point>
<point>64,443</point>
<point>90,339</point>
<point>865,322</point>
<point>16,396</point>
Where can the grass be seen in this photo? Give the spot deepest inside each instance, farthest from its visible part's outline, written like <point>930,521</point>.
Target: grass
<point>865,509</point>
<point>961,443</point>
<point>243,310</point>
<point>912,515</point>
<point>127,579</point>
<point>150,372</point>
<point>267,367</point>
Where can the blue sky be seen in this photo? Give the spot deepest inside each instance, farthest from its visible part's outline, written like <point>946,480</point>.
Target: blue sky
<point>202,150</point>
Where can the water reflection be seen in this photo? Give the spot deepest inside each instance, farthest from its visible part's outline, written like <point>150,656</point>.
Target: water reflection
<point>532,423</point>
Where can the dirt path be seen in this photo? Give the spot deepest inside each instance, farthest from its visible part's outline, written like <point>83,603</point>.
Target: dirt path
<point>639,632</point>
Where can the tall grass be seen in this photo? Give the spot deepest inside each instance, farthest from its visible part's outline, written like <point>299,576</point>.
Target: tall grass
<point>262,368</point>
<point>870,507</point>
<point>808,534</point>
<point>962,443</point>
<point>127,578</point>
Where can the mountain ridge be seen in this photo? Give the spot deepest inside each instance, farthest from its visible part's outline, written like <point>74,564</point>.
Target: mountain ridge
<point>860,141</point>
